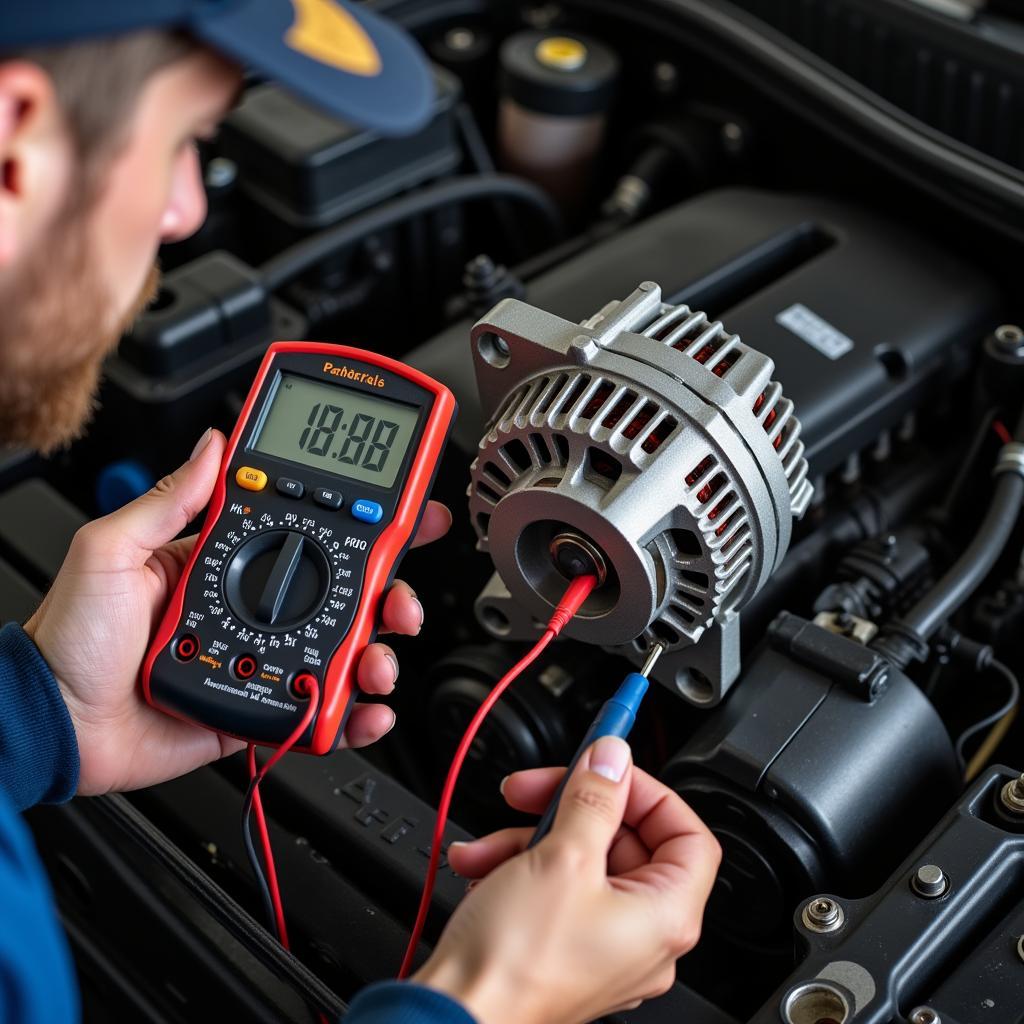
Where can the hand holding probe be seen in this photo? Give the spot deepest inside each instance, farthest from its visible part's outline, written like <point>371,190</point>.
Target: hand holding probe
<point>615,718</point>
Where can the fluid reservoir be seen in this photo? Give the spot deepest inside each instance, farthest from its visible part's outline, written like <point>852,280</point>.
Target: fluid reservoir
<point>556,90</point>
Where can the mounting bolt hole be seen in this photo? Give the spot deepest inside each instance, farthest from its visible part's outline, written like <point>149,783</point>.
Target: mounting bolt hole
<point>495,620</point>
<point>493,349</point>
<point>816,1003</point>
<point>695,687</point>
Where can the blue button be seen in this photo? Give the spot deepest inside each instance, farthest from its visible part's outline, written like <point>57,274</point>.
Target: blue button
<point>367,511</point>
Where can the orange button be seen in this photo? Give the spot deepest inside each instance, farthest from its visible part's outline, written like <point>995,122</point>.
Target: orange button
<point>251,479</point>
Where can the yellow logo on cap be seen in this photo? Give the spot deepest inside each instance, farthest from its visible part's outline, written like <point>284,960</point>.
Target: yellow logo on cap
<point>329,34</point>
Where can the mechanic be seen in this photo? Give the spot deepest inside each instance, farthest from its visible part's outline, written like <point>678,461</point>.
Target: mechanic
<point>101,103</point>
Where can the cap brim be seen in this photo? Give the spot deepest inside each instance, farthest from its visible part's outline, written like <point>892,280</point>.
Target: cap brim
<point>346,61</point>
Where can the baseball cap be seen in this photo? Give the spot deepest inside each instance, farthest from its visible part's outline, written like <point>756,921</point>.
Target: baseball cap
<point>339,56</point>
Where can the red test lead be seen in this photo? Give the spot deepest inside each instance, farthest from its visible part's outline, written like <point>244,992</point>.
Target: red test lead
<point>577,592</point>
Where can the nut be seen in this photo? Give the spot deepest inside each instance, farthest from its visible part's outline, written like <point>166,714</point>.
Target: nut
<point>1012,796</point>
<point>823,914</point>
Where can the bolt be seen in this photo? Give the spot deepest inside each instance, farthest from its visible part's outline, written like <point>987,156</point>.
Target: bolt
<point>1012,796</point>
<point>733,139</point>
<point>924,1015</point>
<point>666,77</point>
<point>879,684</point>
<point>1009,338</point>
<point>823,914</point>
<point>460,39</point>
<point>930,881</point>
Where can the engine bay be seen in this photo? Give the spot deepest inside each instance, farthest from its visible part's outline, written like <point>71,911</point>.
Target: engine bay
<point>729,309</point>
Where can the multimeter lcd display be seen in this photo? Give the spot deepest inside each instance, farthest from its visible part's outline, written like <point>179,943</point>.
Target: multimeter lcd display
<point>337,430</point>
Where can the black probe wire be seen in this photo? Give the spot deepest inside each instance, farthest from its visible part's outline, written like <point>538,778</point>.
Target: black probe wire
<point>254,859</point>
<point>300,257</point>
<point>997,716</point>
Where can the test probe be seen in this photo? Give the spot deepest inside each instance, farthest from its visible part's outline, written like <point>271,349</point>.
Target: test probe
<point>616,718</point>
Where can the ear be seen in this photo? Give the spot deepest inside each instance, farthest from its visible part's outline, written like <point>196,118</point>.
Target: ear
<point>35,156</point>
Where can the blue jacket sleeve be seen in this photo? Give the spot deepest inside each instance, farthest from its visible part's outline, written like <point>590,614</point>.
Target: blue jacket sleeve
<point>37,980</point>
<point>403,1002</point>
<point>38,749</point>
<point>38,762</point>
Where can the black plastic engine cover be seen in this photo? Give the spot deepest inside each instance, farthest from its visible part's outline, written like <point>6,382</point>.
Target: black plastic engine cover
<point>865,321</point>
<point>810,786</point>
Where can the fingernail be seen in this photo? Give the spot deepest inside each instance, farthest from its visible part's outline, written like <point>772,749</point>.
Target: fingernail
<point>420,607</point>
<point>394,720</point>
<point>501,785</point>
<point>201,443</point>
<point>456,842</point>
<point>609,757</point>
<point>394,666</point>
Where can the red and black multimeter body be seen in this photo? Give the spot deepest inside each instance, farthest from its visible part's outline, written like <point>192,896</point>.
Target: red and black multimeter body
<point>322,487</point>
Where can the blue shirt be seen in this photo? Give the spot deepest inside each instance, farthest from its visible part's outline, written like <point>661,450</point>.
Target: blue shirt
<point>39,764</point>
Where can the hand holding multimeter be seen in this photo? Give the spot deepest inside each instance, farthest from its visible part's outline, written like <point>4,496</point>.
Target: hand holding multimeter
<point>322,486</point>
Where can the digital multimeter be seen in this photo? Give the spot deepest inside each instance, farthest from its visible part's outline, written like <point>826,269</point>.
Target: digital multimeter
<point>322,487</point>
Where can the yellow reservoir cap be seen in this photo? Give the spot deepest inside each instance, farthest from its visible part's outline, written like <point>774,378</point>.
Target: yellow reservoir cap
<point>251,479</point>
<point>561,52</point>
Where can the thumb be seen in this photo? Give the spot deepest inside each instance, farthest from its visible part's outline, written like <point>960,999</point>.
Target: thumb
<point>159,515</point>
<point>593,801</point>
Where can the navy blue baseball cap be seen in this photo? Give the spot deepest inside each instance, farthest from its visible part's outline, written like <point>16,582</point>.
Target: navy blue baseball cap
<point>337,55</point>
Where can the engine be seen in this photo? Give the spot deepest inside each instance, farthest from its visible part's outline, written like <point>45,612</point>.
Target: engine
<point>732,326</point>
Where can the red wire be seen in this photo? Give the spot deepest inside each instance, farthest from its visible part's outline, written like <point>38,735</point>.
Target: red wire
<point>256,776</point>
<point>578,591</point>
<point>1000,428</point>
<point>268,853</point>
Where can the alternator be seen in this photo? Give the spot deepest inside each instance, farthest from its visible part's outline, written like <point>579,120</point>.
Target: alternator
<point>648,441</point>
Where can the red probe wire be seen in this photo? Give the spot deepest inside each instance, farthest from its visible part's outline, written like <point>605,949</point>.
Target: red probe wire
<point>256,776</point>
<point>577,592</point>
<point>1000,428</point>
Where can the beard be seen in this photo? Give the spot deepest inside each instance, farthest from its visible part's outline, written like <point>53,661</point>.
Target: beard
<point>56,331</point>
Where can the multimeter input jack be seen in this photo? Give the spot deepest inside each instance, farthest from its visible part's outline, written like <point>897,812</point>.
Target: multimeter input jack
<point>299,686</point>
<point>244,667</point>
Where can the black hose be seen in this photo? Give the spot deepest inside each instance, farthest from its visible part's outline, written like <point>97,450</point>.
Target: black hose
<point>740,44</point>
<point>305,254</point>
<point>968,571</point>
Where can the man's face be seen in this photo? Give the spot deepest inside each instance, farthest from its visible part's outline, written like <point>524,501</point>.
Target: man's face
<point>75,271</point>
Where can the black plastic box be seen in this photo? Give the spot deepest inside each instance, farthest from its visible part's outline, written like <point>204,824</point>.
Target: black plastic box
<point>311,170</point>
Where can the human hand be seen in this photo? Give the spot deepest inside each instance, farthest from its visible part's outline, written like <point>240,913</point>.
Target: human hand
<point>95,624</point>
<point>592,919</point>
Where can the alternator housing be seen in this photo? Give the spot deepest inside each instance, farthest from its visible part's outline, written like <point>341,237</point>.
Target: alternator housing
<point>662,439</point>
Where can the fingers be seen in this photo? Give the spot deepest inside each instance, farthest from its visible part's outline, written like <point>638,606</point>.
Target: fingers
<point>594,800</point>
<point>531,791</point>
<point>402,611</point>
<point>480,857</point>
<point>378,670</point>
<point>126,538</point>
<point>436,522</point>
<point>367,724</point>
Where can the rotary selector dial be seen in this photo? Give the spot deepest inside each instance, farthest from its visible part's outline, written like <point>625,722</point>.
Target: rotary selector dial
<point>277,580</point>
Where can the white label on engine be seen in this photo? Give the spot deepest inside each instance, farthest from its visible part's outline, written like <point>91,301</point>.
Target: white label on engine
<point>816,332</point>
